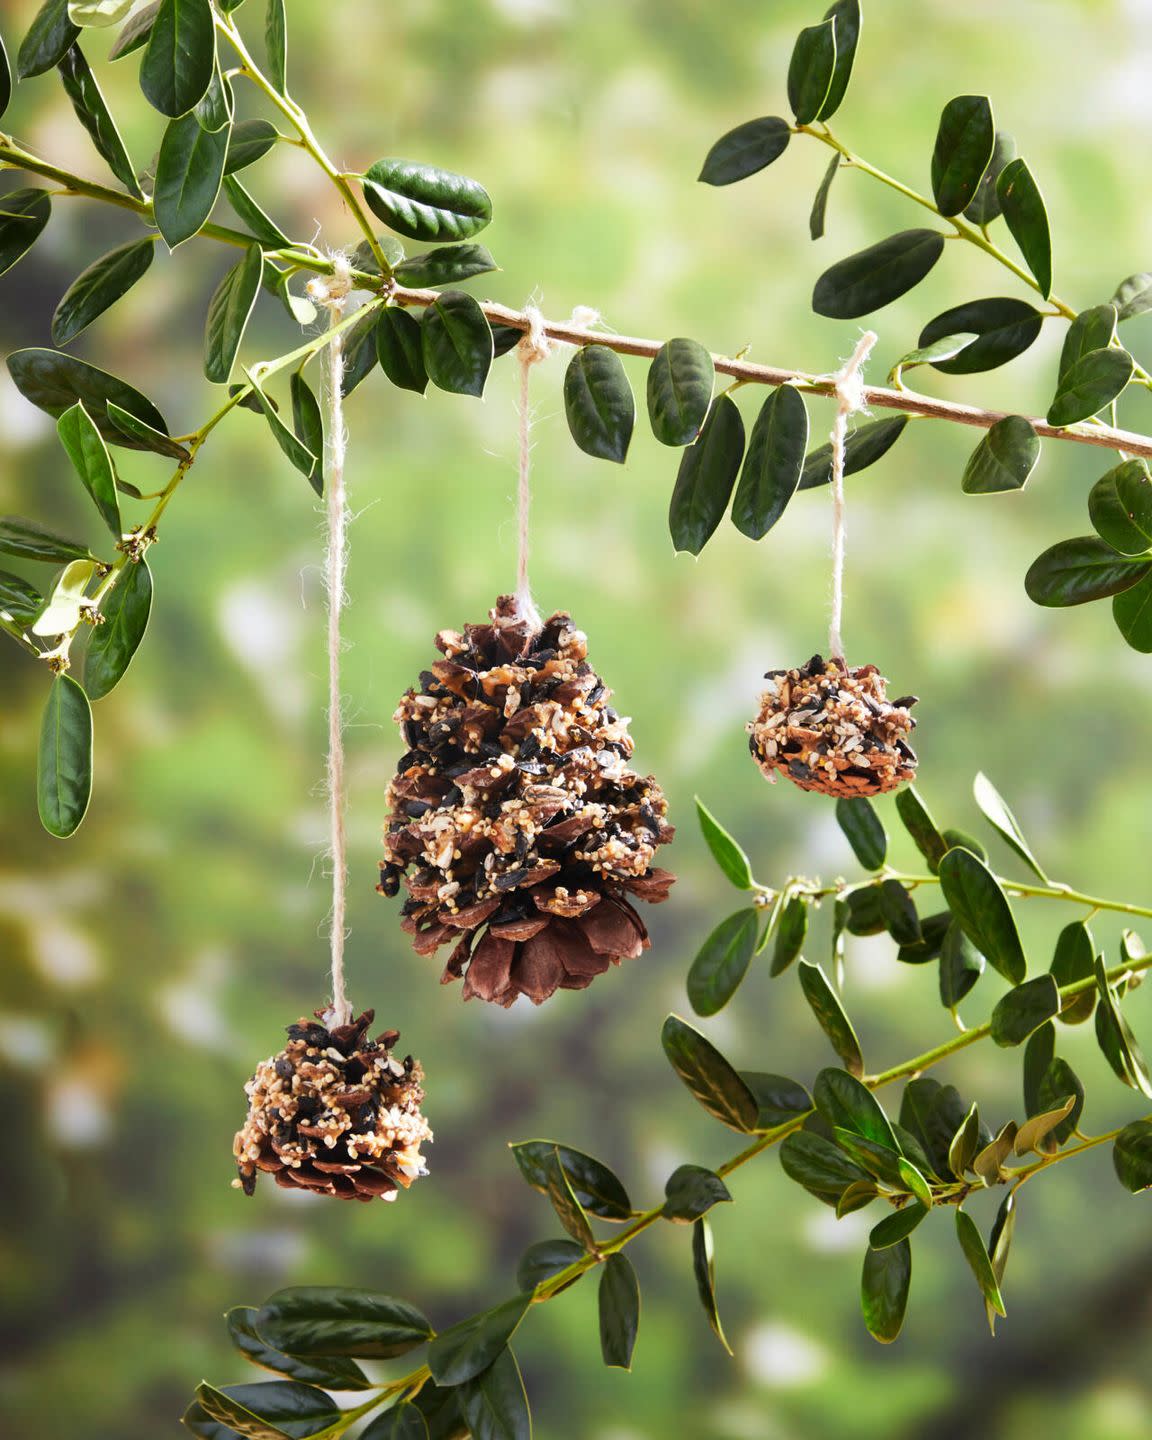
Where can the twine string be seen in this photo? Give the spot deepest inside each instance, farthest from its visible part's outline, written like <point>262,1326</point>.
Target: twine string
<point>534,347</point>
<point>849,389</point>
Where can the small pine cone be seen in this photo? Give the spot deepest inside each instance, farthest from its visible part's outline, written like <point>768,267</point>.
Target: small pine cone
<point>334,1113</point>
<point>833,729</point>
<point>517,825</point>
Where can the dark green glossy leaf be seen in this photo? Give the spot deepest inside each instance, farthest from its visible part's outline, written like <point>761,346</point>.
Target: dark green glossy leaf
<point>692,1191</point>
<point>228,314</point>
<point>946,348</point>
<point>979,1261</point>
<point>1059,1082</point>
<point>772,466</point>
<point>92,111</point>
<point>864,831</point>
<point>64,768</point>
<point>876,1160</point>
<point>896,1227</point>
<point>901,919</point>
<point>249,141</point>
<point>1038,1055</point>
<point>619,1301</point>
<point>848,18</point>
<point>135,32</point>
<point>820,200</point>
<point>32,542</point>
<point>124,426</point>
<point>875,277</point>
<point>745,150</point>
<point>327,1320</point>
<point>961,965</point>
<point>19,598</point>
<point>710,1078</point>
<point>810,71</point>
<point>921,826</point>
<point>707,473</point>
<point>54,382</point>
<point>823,1169</point>
<point>5,79</point>
<point>985,204</point>
<point>23,216</point>
<point>832,1018</point>
<point>462,1352</point>
<point>1093,329</point>
<point>456,344</point>
<point>399,1422</point>
<point>218,106</point>
<point>293,449</point>
<point>1133,296</point>
<point>843,1101</point>
<point>263,228</point>
<point>568,1209</point>
<point>1004,328</point>
<point>1023,1009</point>
<point>494,1404</point>
<point>446,265</point>
<point>189,170</point>
<point>360,355</point>
<point>791,929</point>
<point>276,44</point>
<point>1132,1156</point>
<point>50,36</point>
<point>982,910</point>
<point>440,1407</point>
<point>422,202</point>
<point>865,913</point>
<point>1004,458</point>
<point>704,1269</point>
<point>598,403</point>
<point>1073,961</point>
<point>884,1289</point>
<point>1093,382</point>
<point>932,1113</point>
<point>966,1143</point>
<point>1076,571</point>
<point>85,448</point>
<point>399,349</point>
<point>98,288</point>
<point>545,1259</point>
<point>336,1372</point>
<point>1022,206</point>
<point>725,851</point>
<point>965,140</point>
<point>933,929</point>
<point>722,961</point>
<point>999,1244</point>
<point>680,381</point>
<point>269,1410</point>
<point>1120,507</point>
<point>778,1099</point>
<point>1115,1038</point>
<point>307,418</point>
<point>995,810</point>
<point>1132,612</point>
<point>595,1186</point>
<point>181,55</point>
<point>864,446</point>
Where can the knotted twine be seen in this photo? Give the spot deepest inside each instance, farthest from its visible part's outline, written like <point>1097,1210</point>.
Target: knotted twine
<point>848,387</point>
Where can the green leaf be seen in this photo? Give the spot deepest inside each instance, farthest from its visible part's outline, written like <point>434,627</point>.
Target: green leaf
<point>598,403</point>
<point>771,470</point>
<point>1091,384</point>
<point>54,382</point>
<point>791,930</point>
<point>1133,296</point>
<point>1120,507</point>
<point>745,150</point>
<point>98,13</point>
<point>399,349</point>
<point>945,348</point>
<point>961,965</point>
<point>456,344</point>
<point>914,1179</point>
<point>810,71</point>
<point>1004,458</point>
<point>327,1320</point>
<point>136,31</point>
<point>440,1408</point>
<point>1132,612</point>
<point>778,1099</point>
<point>921,826</point>
<point>884,1289</point>
<point>307,419</point>
<point>265,230</point>
<point>1004,328</point>
<point>896,1227</point>
<point>462,1352</point>
<point>823,1169</point>
<point>864,831</point>
<point>294,450</point>
<point>982,910</point>
<point>985,204</point>
<point>725,851</point>
<point>691,1191</point>
<point>399,1422</point>
<point>619,1311</point>
<point>595,1186</point>
<point>228,314</point>
<point>1093,329</point>
<point>336,1372</point>
<point>447,265</point>
<point>704,1269</point>
<point>545,1259</point>
<point>90,459</point>
<point>64,768</point>
<point>421,202</point>
<point>269,1410</point>
<point>966,1143</point>
<point>820,200</point>
<point>901,919</point>
<point>709,1076</point>
<point>98,288</point>
<point>67,601</point>
<point>865,913</point>
<point>32,542</point>
<point>125,426</point>
<point>1038,1055</point>
<point>972,1244</point>
<point>23,215</point>
<point>932,1113</point>
<point>181,55</point>
<point>276,44</point>
<point>189,170</point>
<point>5,79</point>
<point>1074,960</point>
<point>1022,206</point>
<point>875,277</point>
<point>965,141</point>
<point>999,1244</point>
<point>494,1404</point>
<point>1059,1082</point>
<point>92,111</point>
<point>1033,1132</point>
<point>680,381</point>
<point>360,355</point>
<point>19,599</point>
<point>863,447</point>
<point>933,929</point>
<point>843,1101</point>
<point>568,1209</point>
<point>249,141</point>
<point>707,473</point>
<point>1023,1009</point>
<point>989,1162</point>
<point>831,1016</point>
<point>218,106</point>
<point>1073,572</point>
<point>1132,1156</point>
<point>1115,1037</point>
<point>722,962</point>
<point>995,810</point>
<point>50,36</point>
<point>848,18</point>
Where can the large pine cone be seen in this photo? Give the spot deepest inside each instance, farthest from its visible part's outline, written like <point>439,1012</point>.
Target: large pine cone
<point>517,824</point>
<point>336,1114</point>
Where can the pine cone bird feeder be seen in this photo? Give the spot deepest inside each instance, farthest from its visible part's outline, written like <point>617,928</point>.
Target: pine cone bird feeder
<point>831,728</point>
<point>517,825</point>
<point>335,1113</point>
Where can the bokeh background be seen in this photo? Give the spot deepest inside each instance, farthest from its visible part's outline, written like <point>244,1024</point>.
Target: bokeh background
<point>151,960</point>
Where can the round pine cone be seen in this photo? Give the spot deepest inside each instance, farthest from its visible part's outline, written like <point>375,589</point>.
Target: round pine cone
<point>517,824</point>
<point>833,729</point>
<point>334,1113</point>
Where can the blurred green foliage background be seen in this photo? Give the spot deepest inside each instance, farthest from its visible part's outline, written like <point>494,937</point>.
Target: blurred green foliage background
<point>150,961</point>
